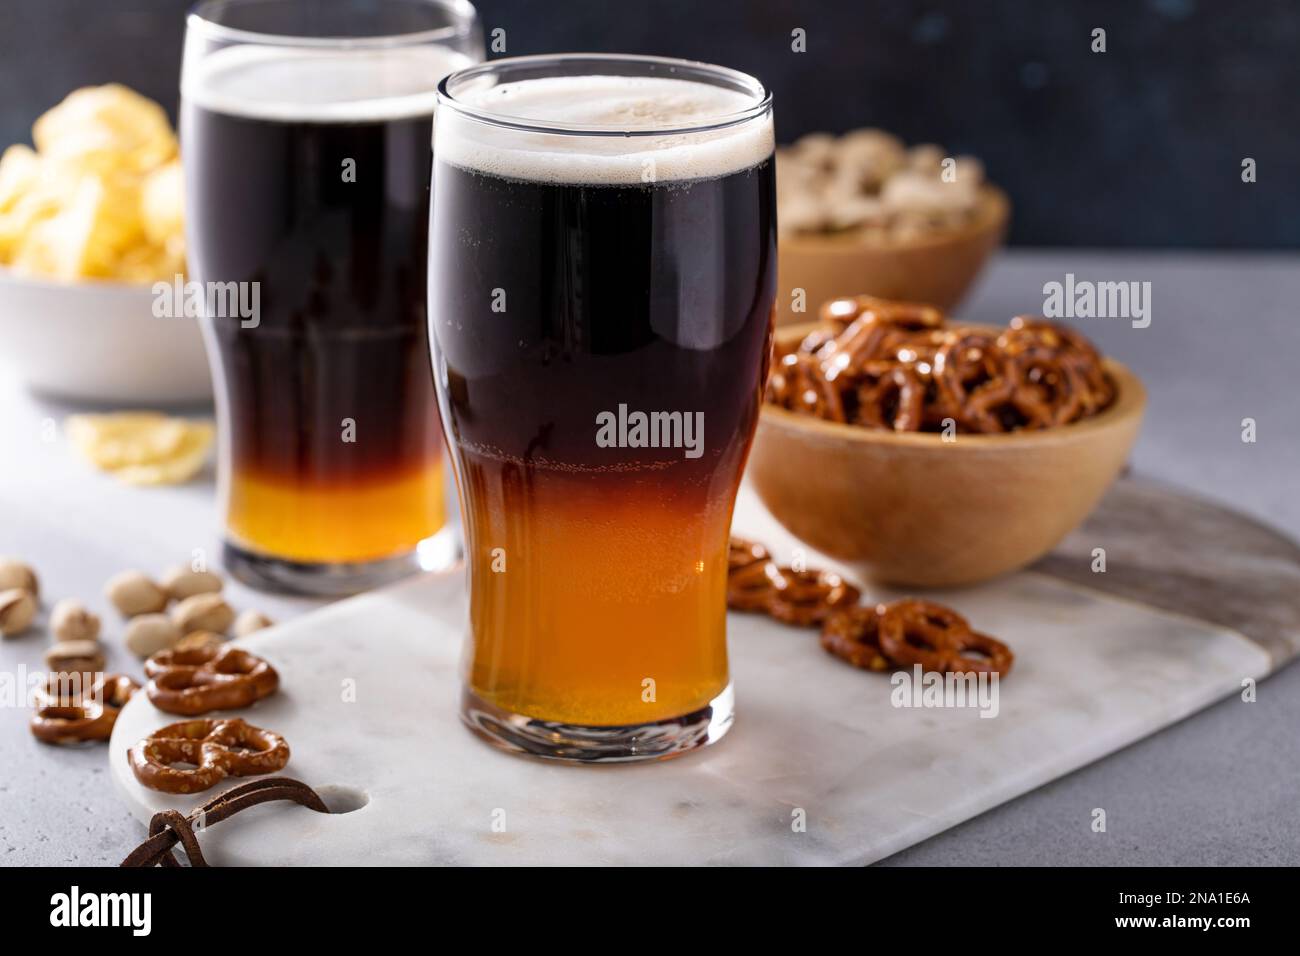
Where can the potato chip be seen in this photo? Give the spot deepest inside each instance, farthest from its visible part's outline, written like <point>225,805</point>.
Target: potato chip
<point>87,237</point>
<point>107,127</point>
<point>145,448</point>
<point>162,203</point>
<point>14,226</point>
<point>59,246</point>
<point>46,193</point>
<point>20,168</point>
<point>101,197</point>
<point>148,264</point>
<point>180,467</point>
<point>115,439</point>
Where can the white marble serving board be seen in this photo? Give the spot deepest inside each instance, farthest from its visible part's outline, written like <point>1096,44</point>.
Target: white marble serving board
<point>1092,674</point>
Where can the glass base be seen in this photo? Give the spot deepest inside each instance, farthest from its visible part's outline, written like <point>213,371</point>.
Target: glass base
<point>572,743</point>
<point>322,579</point>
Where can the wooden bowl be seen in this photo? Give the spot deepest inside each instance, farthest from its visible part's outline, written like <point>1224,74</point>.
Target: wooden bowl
<point>938,270</point>
<point>913,510</point>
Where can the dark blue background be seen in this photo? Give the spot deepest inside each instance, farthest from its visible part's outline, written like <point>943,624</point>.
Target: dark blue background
<point>1140,146</point>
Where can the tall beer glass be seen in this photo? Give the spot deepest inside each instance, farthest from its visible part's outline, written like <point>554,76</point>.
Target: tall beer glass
<point>306,132</point>
<point>603,254</point>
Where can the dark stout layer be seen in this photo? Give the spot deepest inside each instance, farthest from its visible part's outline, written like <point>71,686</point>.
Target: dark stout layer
<point>341,267</point>
<point>656,297</point>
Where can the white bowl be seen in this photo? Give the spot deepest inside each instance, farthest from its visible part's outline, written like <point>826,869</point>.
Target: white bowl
<point>99,342</point>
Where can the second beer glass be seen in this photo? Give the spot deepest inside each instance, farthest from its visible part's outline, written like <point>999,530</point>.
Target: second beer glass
<point>306,131</point>
<point>603,253</point>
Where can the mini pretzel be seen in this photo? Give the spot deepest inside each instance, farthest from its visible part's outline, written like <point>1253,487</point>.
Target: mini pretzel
<point>741,553</point>
<point>905,633</point>
<point>897,366</point>
<point>797,384</point>
<point>77,718</point>
<point>895,401</point>
<point>196,680</point>
<point>938,639</point>
<point>862,342</point>
<point>795,597</point>
<point>750,588</point>
<point>908,315</point>
<point>976,653</point>
<point>972,376</point>
<point>853,634</point>
<point>807,597</point>
<point>1028,331</point>
<point>1048,389</point>
<point>918,632</point>
<point>216,748</point>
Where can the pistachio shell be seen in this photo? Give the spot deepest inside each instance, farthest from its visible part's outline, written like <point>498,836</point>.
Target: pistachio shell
<point>147,634</point>
<point>17,610</point>
<point>203,612</point>
<point>17,574</point>
<point>182,582</point>
<point>74,657</point>
<point>133,593</point>
<point>71,621</point>
<point>250,621</point>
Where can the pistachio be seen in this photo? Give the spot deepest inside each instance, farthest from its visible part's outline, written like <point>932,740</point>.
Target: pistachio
<point>203,612</point>
<point>70,621</point>
<point>182,582</point>
<point>147,634</point>
<point>199,640</point>
<point>250,621</point>
<point>16,574</point>
<point>132,593</point>
<point>74,657</point>
<point>17,609</point>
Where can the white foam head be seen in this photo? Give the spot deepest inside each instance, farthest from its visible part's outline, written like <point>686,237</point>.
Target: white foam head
<point>629,104</point>
<point>319,85</point>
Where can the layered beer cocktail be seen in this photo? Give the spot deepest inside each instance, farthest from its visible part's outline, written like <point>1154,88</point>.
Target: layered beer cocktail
<point>306,132</point>
<point>603,252</point>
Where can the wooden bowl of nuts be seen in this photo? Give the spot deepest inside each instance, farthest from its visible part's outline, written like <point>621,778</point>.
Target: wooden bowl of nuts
<point>862,213</point>
<point>932,470</point>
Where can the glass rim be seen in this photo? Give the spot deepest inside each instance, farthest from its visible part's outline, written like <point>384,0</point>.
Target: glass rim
<point>697,68</point>
<point>461,12</point>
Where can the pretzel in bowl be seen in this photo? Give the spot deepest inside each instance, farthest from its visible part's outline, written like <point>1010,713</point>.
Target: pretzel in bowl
<point>913,316</point>
<point>212,749</point>
<point>87,713</point>
<point>902,367</point>
<point>895,400</point>
<point>797,384</point>
<point>196,680</point>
